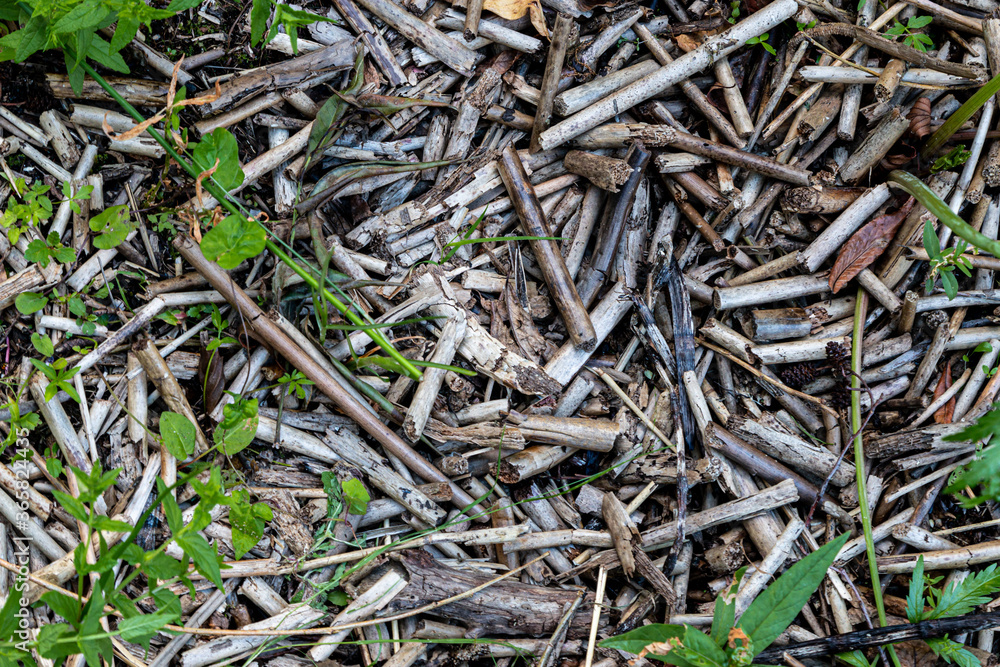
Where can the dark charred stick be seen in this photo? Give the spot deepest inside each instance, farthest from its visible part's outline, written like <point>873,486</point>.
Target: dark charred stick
<point>550,260</point>
<point>562,33</point>
<point>880,637</point>
<point>612,228</point>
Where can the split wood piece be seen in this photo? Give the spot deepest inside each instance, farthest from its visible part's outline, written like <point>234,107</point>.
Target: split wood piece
<point>281,344</point>
<point>605,172</point>
<point>61,140</point>
<point>950,559</point>
<point>488,355</point>
<point>504,608</point>
<point>755,294</point>
<point>591,434</point>
<point>383,591</point>
<point>821,201</point>
<point>623,531</point>
<point>767,435</point>
<point>574,313</point>
<point>897,50</point>
<point>733,156</point>
<point>380,473</point>
<point>449,51</point>
<point>766,467</point>
<point>612,228</point>
<point>690,90</point>
<point>288,73</point>
<point>293,617</point>
<point>832,239</point>
<point>662,469</point>
<point>683,68</point>
<point>376,45</point>
<point>138,406</point>
<point>568,361</point>
<point>942,335</point>
<point>170,390</point>
<point>135,91</point>
<point>496,436</point>
<point>875,146</point>
<point>529,462</point>
<point>580,97</point>
<point>60,425</point>
<point>493,31</point>
<point>452,335</point>
<point>34,532</point>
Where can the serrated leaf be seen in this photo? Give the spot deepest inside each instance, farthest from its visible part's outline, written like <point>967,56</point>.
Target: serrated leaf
<point>259,14</point>
<point>636,640</point>
<point>779,604</point>
<point>233,240</point>
<point>203,555</point>
<point>952,652</point>
<point>958,599</point>
<point>866,245</point>
<point>915,597</point>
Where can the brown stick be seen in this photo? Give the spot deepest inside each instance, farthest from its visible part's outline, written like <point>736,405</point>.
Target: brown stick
<point>605,172</point>
<point>283,345</point>
<point>561,35</point>
<point>550,260</point>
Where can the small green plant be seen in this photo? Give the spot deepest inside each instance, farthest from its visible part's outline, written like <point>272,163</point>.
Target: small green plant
<point>734,643</point>
<point>43,251</point>
<point>57,372</point>
<point>805,26</point>
<point>984,472</point>
<point>295,383</point>
<point>762,40</point>
<point>955,157</point>
<point>734,12</point>
<point>113,226</point>
<point>944,263</point>
<point>290,19</point>
<point>956,599</point>
<point>916,40</point>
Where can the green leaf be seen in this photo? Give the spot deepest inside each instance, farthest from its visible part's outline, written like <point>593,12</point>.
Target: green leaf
<point>950,284</point>
<point>43,344</point>
<point>125,32</point>
<point>114,225</point>
<point>247,521</point>
<point>238,426</point>
<point>76,509</point>
<point>915,598</point>
<point>356,496</point>
<point>161,566</point>
<point>960,598</point>
<point>259,13</point>
<point>952,652</point>
<point>54,641</point>
<point>85,16</point>
<point>724,617</point>
<point>140,629</point>
<point>233,240</point>
<point>32,38</point>
<point>28,303</point>
<point>855,659</point>
<point>203,555</point>
<point>636,640</point>
<point>178,6</point>
<point>779,604</point>
<point>220,145</point>
<point>931,243</point>
<point>101,52</point>
<point>916,22</point>
<point>64,605</point>
<point>178,434</point>
<point>698,650</point>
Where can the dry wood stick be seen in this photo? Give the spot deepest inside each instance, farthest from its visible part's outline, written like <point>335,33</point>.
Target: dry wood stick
<point>562,32</point>
<point>283,345</point>
<point>668,75</point>
<point>572,309</point>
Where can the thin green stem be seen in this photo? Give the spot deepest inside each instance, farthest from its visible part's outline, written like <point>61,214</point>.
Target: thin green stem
<point>860,308</point>
<point>957,119</point>
<point>912,185</point>
<point>224,200</point>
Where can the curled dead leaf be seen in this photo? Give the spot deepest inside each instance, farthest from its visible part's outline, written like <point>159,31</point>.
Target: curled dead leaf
<point>510,9</point>
<point>737,635</point>
<point>201,177</point>
<point>867,244</point>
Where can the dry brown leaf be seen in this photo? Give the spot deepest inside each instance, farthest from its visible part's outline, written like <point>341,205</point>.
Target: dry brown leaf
<point>946,412</point>
<point>510,9</point>
<point>156,118</point>
<point>915,654</point>
<point>210,375</point>
<point>866,245</point>
<point>201,177</point>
